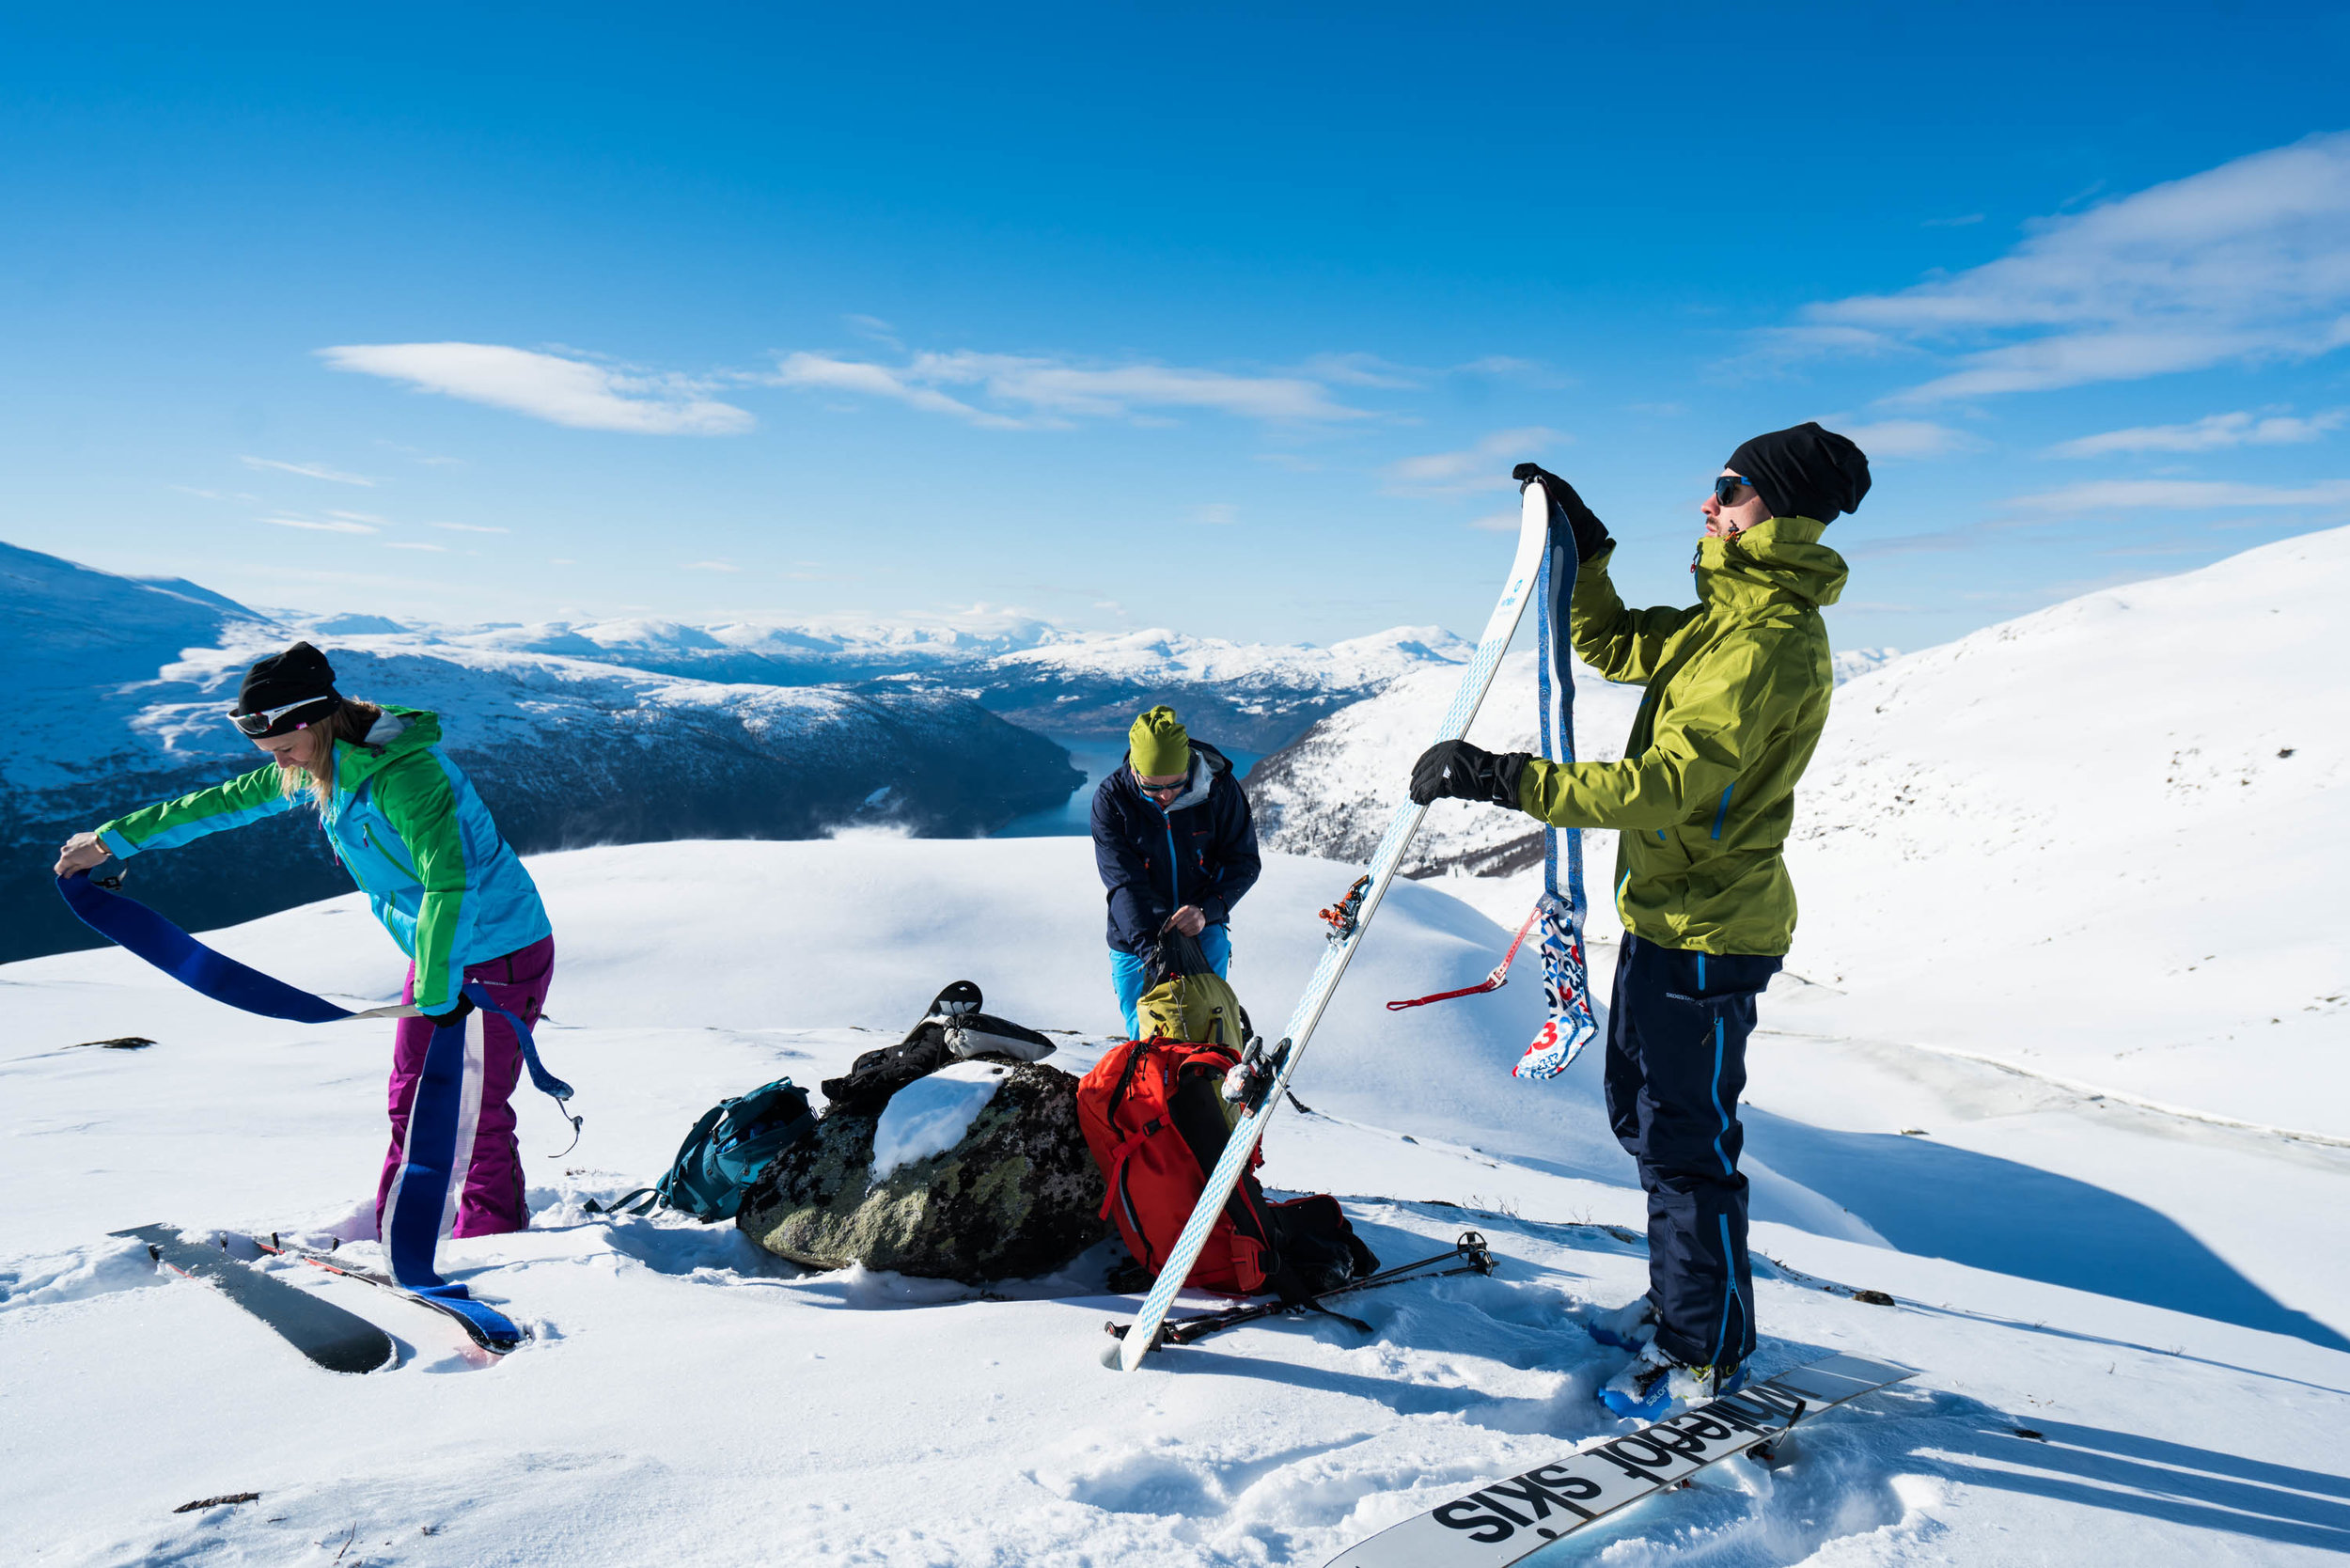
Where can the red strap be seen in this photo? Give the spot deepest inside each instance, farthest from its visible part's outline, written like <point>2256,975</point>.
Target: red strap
<point>1491,982</point>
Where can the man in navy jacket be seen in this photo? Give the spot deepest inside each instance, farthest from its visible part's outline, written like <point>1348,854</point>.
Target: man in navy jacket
<point>1176,848</point>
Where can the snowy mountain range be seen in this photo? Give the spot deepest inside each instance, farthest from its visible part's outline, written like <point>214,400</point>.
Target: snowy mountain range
<point>124,683</point>
<point>1249,696</point>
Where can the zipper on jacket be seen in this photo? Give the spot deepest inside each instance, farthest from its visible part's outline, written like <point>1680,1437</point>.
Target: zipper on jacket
<point>1724,810</point>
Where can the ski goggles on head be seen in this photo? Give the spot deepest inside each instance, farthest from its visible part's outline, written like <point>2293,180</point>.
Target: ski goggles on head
<point>1726,487</point>
<point>263,724</point>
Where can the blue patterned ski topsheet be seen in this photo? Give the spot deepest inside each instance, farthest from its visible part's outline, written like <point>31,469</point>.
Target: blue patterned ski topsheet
<point>1566,976</point>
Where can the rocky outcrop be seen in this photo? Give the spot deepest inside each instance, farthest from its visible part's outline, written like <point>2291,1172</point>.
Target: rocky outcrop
<point>1018,1196</point>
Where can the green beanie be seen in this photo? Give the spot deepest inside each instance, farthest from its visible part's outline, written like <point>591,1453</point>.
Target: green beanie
<point>1159,744</point>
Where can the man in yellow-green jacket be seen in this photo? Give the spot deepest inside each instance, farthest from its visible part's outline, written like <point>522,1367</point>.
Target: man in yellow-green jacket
<point>1737,693</point>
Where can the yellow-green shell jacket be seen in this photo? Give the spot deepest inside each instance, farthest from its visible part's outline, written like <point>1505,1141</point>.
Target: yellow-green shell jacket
<point>1737,693</point>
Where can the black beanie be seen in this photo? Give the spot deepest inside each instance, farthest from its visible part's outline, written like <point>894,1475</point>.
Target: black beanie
<point>300,672</point>
<point>1804,472</point>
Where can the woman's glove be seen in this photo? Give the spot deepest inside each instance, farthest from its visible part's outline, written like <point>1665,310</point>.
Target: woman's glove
<point>1463,771</point>
<point>453,1017</point>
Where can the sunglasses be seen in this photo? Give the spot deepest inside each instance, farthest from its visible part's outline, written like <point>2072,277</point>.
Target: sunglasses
<point>257,724</point>
<point>1726,487</point>
<point>1149,788</point>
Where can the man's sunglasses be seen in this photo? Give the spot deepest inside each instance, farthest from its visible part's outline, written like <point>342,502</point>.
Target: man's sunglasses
<point>257,724</point>
<point>1726,487</point>
<point>1149,788</point>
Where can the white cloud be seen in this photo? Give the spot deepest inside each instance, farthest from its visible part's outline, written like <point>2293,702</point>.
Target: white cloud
<point>1015,391</point>
<point>413,544</point>
<point>1499,523</point>
<point>468,529</point>
<point>1361,370</point>
<point>2180,496</point>
<point>1219,512</point>
<point>1967,221</point>
<point>876,381</point>
<point>308,470</point>
<point>342,527</point>
<point>2212,432</point>
<point>549,386</point>
<point>2245,262</point>
<point>1909,438</point>
<point>359,517</point>
<point>1483,466</point>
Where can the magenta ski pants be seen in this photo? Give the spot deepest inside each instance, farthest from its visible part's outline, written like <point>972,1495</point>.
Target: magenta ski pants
<point>491,1200</point>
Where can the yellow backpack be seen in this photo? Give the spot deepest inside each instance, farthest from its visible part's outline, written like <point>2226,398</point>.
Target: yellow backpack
<point>1200,1009</point>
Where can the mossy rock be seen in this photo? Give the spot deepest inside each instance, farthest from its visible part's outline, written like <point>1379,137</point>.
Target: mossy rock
<point>1019,1196</point>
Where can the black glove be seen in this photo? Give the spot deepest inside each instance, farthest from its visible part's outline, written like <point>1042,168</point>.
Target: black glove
<point>1461,770</point>
<point>1590,534</point>
<point>453,1017</point>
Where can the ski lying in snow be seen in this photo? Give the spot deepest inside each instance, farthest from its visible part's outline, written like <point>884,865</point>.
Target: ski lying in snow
<point>1506,1520</point>
<point>339,1340</point>
<point>486,1327</point>
<point>1269,1072</point>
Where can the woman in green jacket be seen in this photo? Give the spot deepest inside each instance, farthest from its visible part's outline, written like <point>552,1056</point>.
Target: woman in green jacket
<point>1738,689</point>
<point>404,819</point>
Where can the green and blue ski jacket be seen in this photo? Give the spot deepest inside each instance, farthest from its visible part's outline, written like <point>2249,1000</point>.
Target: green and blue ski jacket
<point>407,826</point>
<point>1738,691</point>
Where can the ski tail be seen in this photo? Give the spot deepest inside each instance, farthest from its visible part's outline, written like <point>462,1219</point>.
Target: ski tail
<point>333,1339</point>
<point>1571,1024</point>
<point>1504,1521</point>
<point>1345,936</point>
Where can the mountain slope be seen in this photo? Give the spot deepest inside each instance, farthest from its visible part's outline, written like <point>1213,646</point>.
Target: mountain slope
<point>897,1421</point>
<point>2097,843</point>
<point>2103,841</point>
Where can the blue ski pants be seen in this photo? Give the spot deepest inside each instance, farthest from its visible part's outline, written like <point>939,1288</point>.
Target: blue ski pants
<point>1126,970</point>
<point>1677,1031</point>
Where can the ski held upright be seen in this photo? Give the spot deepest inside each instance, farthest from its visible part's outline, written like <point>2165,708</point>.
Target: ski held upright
<point>1346,935</point>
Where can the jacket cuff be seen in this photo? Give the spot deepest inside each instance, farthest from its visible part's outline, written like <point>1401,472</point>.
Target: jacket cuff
<point>115,843</point>
<point>1530,786</point>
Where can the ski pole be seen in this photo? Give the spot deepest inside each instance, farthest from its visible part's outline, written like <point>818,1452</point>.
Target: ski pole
<point>1477,1258</point>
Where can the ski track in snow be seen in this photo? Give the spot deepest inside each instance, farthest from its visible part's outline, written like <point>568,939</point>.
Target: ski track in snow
<point>689,1399</point>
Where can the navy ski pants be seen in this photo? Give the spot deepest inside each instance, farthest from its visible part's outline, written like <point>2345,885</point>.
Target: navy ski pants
<point>1677,1033</point>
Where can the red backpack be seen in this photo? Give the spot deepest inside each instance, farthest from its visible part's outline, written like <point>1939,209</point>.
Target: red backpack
<point>1154,1113</point>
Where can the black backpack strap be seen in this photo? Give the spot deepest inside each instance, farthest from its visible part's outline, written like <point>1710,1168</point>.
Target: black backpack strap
<point>621,1204</point>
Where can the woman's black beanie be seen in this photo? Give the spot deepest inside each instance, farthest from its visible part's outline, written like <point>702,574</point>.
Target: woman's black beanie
<point>300,672</point>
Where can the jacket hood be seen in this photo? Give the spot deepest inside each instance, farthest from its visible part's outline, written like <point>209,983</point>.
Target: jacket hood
<point>399,732</point>
<point>1777,561</point>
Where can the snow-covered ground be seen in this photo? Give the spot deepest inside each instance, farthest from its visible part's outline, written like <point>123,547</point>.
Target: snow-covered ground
<point>690,1401</point>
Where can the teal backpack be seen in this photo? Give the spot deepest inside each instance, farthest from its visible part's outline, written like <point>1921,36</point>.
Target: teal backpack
<point>728,1149</point>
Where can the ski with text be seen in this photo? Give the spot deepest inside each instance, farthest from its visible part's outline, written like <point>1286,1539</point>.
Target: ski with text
<point>334,1339</point>
<point>1273,1068</point>
<point>1506,1520</point>
<point>488,1327</point>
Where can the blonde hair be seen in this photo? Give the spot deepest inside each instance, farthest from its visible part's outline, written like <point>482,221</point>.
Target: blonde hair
<point>351,722</point>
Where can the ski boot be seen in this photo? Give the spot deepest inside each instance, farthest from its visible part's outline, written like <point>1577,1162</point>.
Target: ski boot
<point>1656,1386</point>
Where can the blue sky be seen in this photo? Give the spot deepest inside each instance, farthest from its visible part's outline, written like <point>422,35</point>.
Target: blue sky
<point>1227,318</point>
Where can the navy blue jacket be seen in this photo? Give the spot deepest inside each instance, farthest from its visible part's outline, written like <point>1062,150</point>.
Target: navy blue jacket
<point>1201,850</point>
